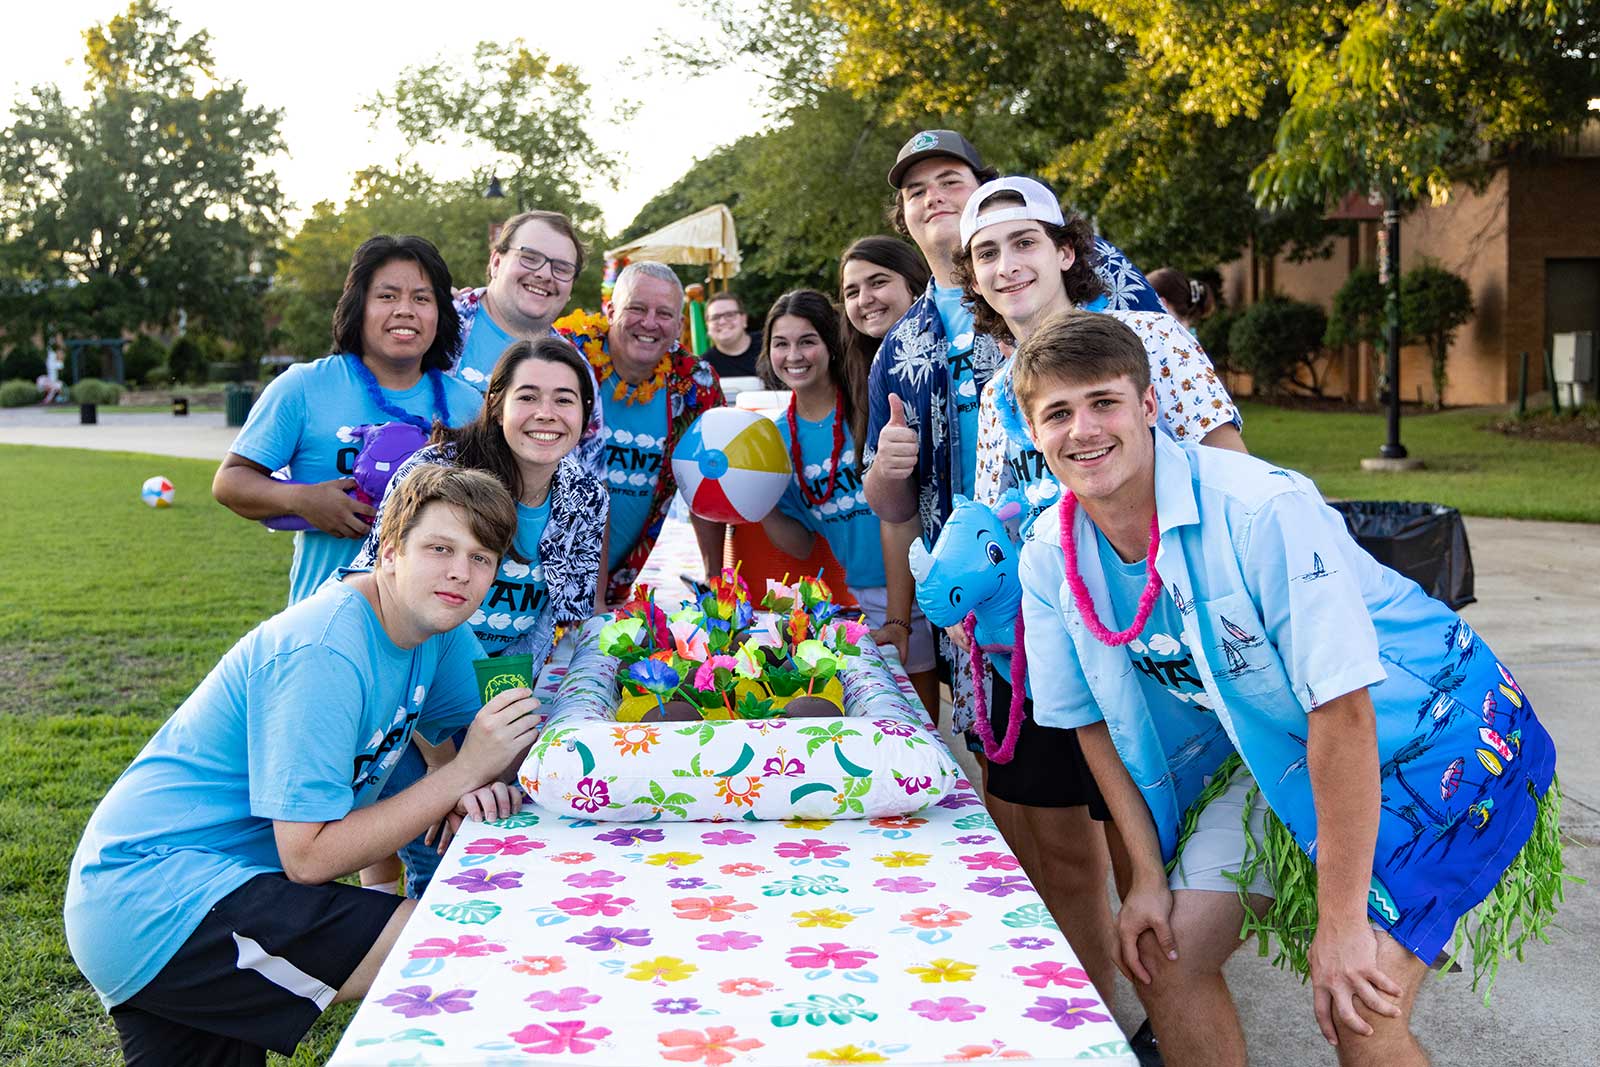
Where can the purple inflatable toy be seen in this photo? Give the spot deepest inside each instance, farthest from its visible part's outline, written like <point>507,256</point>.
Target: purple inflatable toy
<point>384,446</point>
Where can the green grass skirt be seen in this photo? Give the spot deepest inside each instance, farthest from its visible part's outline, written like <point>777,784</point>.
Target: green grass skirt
<point>1520,908</point>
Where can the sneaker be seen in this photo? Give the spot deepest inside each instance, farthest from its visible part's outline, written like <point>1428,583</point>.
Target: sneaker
<point>1145,1046</point>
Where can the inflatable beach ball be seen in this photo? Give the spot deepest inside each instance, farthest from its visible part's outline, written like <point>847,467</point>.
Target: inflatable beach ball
<point>157,492</point>
<point>731,466</point>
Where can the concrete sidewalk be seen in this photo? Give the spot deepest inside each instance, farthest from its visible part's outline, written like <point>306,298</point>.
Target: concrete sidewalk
<point>1537,607</point>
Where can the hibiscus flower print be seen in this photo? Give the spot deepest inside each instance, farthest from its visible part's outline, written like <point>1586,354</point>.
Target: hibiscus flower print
<point>942,917</point>
<point>807,824</point>
<point>727,837</point>
<point>592,904</point>
<point>913,785</point>
<point>995,1050</point>
<point>634,738</point>
<point>466,946</point>
<point>831,918</point>
<point>829,954</point>
<point>686,883</point>
<point>594,879</point>
<point>742,870</point>
<point>675,1005</point>
<point>900,858</point>
<point>478,880</point>
<point>1001,887</point>
<point>661,970</point>
<point>715,909</point>
<point>944,970</point>
<point>515,845</point>
<point>1030,943</point>
<point>1067,1014</point>
<point>629,836</point>
<point>608,938</point>
<point>418,1000</point>
<point>897,822</point>
<point>674,860</point>
<point>810,848</point>
<point>845,1054</point>
<point>592,794</point>
<point>713,1046</point>
<point>729,941</point>
<point>904,884</point>
<point>975,839</point>
<point>781,766</point>
<point>540,965</point>
<point>572,858</point>
<point>947,1009</point>
<point>745,987</point>
<point>894,727</point>
<point>559,1036</point>
<point>1040,975</point>
<point>990,861</point>
<point>572,998</point>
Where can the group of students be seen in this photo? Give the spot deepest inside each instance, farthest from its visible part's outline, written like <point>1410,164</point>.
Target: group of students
<point>1272,679</point>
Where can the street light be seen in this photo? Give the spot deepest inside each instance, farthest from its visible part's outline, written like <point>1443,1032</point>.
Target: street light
<point>494,192</point>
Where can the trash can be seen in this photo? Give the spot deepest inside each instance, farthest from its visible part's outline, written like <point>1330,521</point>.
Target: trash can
<point>237,398</point>
<point>1425,542</point>
<point>180,405</point>
<point>88,414</point>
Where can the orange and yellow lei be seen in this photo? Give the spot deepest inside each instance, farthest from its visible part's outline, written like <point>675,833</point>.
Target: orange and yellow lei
<point>587,330</point>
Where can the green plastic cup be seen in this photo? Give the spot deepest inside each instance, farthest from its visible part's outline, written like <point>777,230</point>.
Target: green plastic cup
<point>497,675</point>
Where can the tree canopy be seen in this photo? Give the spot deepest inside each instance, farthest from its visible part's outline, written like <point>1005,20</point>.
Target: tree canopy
<point>150,199</point>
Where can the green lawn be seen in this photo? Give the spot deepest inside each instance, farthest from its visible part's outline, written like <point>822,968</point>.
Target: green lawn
<point>110,612</point>
<point>1468,466</point>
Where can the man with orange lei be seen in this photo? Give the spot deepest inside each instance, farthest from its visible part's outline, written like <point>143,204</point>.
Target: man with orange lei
<point>651,391</point>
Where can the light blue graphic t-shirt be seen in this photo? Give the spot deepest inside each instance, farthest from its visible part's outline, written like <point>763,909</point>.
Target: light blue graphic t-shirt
<point>1191,736</point>
<point>518,595</point>
<point>301,721</point>
<point>303,422</point>
<point>957,318</point>
<point>843,519</point>
<point>481,350</point>
<point>635,436</point>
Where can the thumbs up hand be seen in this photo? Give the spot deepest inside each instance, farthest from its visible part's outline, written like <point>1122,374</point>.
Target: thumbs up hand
<point>897,444</point>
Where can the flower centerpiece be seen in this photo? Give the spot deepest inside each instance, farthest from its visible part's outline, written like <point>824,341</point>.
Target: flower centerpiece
<point>708,660</point>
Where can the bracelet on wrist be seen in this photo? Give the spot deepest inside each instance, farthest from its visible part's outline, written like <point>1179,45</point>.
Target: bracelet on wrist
<point>902,623</point>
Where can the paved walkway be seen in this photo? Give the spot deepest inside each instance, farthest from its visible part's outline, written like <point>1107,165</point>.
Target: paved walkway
<point>1536,588</point>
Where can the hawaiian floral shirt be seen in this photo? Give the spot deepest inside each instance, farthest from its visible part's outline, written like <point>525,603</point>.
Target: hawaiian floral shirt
<point>693,388</point>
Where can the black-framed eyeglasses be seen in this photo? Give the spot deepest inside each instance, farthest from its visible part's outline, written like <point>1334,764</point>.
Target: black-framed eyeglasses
<point>724,316</point>
<point>561,269</point>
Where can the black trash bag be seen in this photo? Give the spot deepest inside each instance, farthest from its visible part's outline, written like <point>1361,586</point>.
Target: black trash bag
<point>1425,542</point>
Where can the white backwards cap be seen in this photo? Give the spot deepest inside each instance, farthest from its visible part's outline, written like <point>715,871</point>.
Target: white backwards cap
<point>1039,204</point>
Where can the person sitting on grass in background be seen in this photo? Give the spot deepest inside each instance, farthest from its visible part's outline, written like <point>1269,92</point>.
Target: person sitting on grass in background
<point>1259,701</point>
<point>879,277</point>
<point>393,334</point>
<point>202,903</point>
<point>535,413</point>
<point>533,261</point>
<point>801,351</point>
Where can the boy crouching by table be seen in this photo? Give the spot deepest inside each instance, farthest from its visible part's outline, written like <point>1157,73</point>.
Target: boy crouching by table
<point>201,903</point>
<point>1293,739</point>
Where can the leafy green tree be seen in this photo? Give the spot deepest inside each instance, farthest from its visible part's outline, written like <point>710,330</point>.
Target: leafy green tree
<point>150,199</point>
<point>1358,315</point>
<point>142,355</point>
<point>186,362</point>
<point>1433,303</point>
<point>1274,339</point>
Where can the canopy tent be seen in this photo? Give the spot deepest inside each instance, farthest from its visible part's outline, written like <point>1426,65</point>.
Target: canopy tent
<point>705,238</point>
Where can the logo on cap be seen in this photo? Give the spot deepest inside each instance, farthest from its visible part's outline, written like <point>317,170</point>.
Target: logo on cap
<point>925,139</point>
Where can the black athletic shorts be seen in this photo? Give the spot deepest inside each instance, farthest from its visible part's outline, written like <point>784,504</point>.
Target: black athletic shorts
<point>1048,770</point>
<point>256,973</point>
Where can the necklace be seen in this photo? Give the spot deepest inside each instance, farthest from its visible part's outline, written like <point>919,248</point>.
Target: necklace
<point>1007,748</point>
<point>384,404</point>
<point>1080,592</point>
<point>833,461</point>
<point>641,393</point>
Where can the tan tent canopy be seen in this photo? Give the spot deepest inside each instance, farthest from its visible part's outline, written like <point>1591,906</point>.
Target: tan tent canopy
<point>704,239</point>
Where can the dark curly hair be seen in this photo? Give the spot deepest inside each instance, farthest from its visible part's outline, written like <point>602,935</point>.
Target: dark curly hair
<point>1082,282</point>
<point>350,312</point>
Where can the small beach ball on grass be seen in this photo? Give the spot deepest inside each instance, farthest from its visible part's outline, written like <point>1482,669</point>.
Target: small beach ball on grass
<point>157,492</point>
<point>731,466</point>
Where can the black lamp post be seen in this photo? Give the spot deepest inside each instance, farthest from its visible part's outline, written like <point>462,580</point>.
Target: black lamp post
<point>494,192</point>
<point>1390,270</point>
